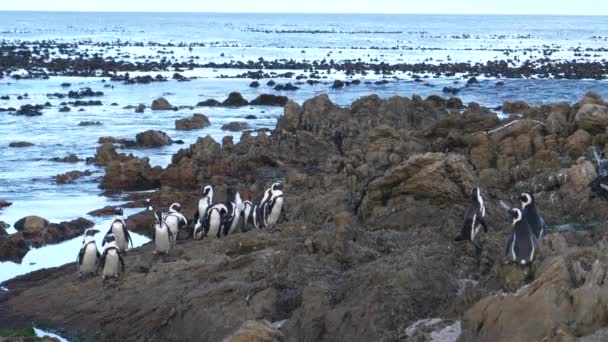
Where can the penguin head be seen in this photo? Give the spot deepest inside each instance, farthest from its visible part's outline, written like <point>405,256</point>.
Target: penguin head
<point>526,199</point>
<point>207,191</point>
<point>231,194</point>
<point>516,214</point>
<point>475,193</point>
<point>110,238</point>
<point>118,212</point>
<point>176,207</point>
<point>277,186</point>
<point>90,232</point>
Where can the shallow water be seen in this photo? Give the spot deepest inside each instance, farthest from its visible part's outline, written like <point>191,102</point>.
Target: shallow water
<point>26,173</point>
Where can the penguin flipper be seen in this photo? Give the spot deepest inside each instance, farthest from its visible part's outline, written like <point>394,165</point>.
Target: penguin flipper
<point>102,260</point>
<point>80,255</point>
<point>508,246</point>
<point>128,235</point>
<point>103,242</point>
<point>196,216</point>
<point>484,225</point>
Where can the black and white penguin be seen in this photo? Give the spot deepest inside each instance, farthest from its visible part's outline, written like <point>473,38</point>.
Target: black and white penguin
<point>175,220</point>
<point>273,205</point>
<point>111,261</point>
<point>473,218</point>
<point>212,222</point>
<point>162,237</point>
<point>120,231</point>
<point>531,215</point>
<point>522,245</point>
<point>88,257</point>
<point>204,203</point>
<point>246,214</point>
<point>234,205</point>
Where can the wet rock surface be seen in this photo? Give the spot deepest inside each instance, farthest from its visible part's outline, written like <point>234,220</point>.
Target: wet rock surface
<point>35,232</point>
<point>376,193</point>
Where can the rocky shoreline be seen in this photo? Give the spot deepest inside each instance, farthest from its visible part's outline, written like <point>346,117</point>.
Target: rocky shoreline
<point>375,193</point>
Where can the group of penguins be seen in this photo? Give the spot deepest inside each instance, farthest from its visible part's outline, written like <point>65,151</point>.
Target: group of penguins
<point>219,219</point>
<point>528,227</point>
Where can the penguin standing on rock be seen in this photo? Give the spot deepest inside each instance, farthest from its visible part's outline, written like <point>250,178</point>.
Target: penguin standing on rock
<point>530,214</point>
<point>120,231</point>
<point>175,220</point>
<point>522,245</point>
<point>162,236</point>
<point>234,205</point>
<point>88,257</point>
<point>111,261</point>
<point>204,203</point>
<point>474,219</point>
<point>212,222</point>
<point>273,205</point>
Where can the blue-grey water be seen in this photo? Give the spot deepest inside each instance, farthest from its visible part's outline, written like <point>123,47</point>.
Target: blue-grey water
<point>26,173</point>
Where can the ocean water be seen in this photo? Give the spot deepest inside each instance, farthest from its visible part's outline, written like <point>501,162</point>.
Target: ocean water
<point>26,173</point>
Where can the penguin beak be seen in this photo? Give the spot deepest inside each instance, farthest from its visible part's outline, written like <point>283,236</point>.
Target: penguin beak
<point>95,231</point>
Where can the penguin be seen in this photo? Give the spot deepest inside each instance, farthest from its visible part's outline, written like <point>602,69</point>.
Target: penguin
<point>234,204</point>
<point>274,207</point>
<point>162,236</point>
<point>246,213</point>
<point>212,222</point>
<point>204,203</point>
<point>89,255</point>
<point>254,218</point>
<point>531,215</point>
<point>110,259</point>
<point>522,246</point>
<point>175,220</point>
<point>473,218</point>
<point>120,231</point>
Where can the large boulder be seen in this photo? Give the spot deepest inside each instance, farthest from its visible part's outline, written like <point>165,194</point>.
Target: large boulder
<point>131,175</point>
<point>592,118</point>
<point>161,104</point>
<point>235,100</point>
<point>269,100</point>
<point>31,223</point>
<point>197,121</point>
<point>153,139</point>
<point>568,299</point>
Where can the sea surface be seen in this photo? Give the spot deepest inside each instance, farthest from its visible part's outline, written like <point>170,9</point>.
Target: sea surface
<point>26,174</point>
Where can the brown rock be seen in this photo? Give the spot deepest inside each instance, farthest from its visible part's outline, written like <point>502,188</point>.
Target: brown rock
<point>592,118</point>
<point>153,139</point>
<point>515,107</point>
<point>161,104</point>
<point>31,223</point>
<point>197,121</point>
<point>235,126</point>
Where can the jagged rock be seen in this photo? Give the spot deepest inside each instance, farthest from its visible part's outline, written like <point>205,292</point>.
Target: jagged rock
<point>197,121</point>
<point>161,104</point>
<point>132,174</point>
<point>4,204</point>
